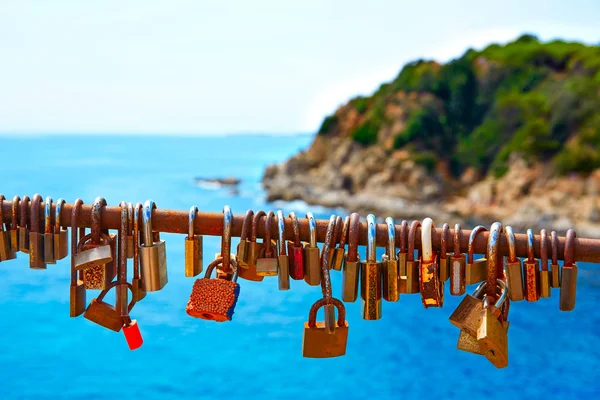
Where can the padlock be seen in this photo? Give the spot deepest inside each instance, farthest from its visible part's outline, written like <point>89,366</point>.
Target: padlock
<point>457,266</point>
<point>545,276</point>
<point>475,270</point>
<point>242,248</point>
<point>266,265</point>
<point>312,270</point>
<point>105,314</point>
<point>61,233</point>
<point>339,253</point>
<point>14,225</point>
<point>318,341</point>
<point>390,265</point>
<point>6,252</point>
<point>77,301</point>
<point>282,258</point>
<point>133,336</point>
<point>24,225</point>
<point>130,243</point>
<point>532,271</point>
<point>214,299</point>
<point>193,247</point>
<point>555,277</point>
<point>224,270</point>
<point>339,222</point>
<point>254,248</point>
<point>432,287</point>
<point>402,254</point>
<point>468,342</point>
<point>370,276</point>
<point>568,283</point>
<point>492,337</point>
<point>468,313</point>
<point>48,233</point>
<point>295,251</point>
<point>445,260</point>
<point>153,254</point>
<point>36,237</point>
<point>514,268</point>
<point>138,291</point>
<point>410,283</point>
<point>351,269</point>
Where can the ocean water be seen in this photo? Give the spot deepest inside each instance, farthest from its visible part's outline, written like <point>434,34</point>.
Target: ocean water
<point>409,353</point>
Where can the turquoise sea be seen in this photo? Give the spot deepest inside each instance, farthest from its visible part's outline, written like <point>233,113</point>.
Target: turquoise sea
<point>409,353</point>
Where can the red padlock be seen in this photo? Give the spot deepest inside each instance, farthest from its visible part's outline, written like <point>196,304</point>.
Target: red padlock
<point>133,336</point>
<point>296,252</point>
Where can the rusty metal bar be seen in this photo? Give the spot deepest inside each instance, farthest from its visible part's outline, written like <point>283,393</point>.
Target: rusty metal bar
<point>211,223</point>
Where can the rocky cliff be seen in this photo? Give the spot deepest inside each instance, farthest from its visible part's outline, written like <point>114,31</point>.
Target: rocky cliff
<point>509,133</point>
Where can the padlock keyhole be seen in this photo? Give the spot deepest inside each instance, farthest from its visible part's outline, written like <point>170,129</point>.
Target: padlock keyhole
<point>207,316</point>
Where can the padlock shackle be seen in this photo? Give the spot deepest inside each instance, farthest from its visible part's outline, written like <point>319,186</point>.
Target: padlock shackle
<point>191,221</point>
<point>444,240</point>
<point>247,225</point>
<point>260,214</point>
<point>312,314</point>
<point>1,213</point>
<point>48,215</point>
<point>149,206</point>
<point>267,239</point>
<point>554,245</point>
<point>504,290</point>
<point>122,265</point>
<point>391,231</point>
<point>510,239</point>
<point>344,234</point>
<point>530,238</point>
<point>327,246</point>
<point>281,233</point>
<point>371,237</point>
<point>569,255</point>
<point>477,230</point>
<point>58,215</point>
<point>312,229</point>
<point>544,249</point>
<point>226,238</point>
<point>136,239</point>
<point>24,211</point>
<point>426,241</point>
<point>97,205</point>
<point>35,213</point>
<point>130,219</point>
<point>411,240</point>
<point>296,229</point>
<point>353,236</point>
<point>493,259</point>
<point>337,231</point>
<point>103,293</point>
<point>14,212</point>
<point>216,262</point>
<point>74,216</point>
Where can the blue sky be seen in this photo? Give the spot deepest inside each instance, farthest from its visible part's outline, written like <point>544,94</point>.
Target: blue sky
<point>209,67</point>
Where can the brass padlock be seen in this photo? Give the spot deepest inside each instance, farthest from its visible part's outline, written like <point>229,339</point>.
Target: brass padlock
<point>214,299</point>
<point>6,252</point>
<point>24,225</point>
<point>312,270</point>
<point>457,266</point>
<point>545,276</point>
<point>555,277</point>
<point>445,261</point>
<point>390,265</point>
<point>532,271</point>
<point>121,305</point>
<point>242,248</point>
<point>370,276</point>
<point>193,247</point>
<point>61,233</point>
<point>339,253</point>
<point>254,248</point>
<point>77,302</point>
<point>104,314</point>
<point>410,283</point>
<point>351,269</point>
<point>48,233</point>
<point>153,254</point>
<point>14,224</point>
<point>468,313</point>
<point>318,340</point>
<point>432,288</point>
<point>295,251</point>
<point>137,288</point>
<point>130,243</point>
<point>492,337</point>
<point>266,265</point>
<point>468,342</point>
<point>282,258</point>
<point>514,268</point>
<point>475,270</point>
<point>36,238</point>
<point>568,283</point>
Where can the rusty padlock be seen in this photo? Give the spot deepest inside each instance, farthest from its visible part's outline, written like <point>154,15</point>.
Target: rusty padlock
<point>513,267</point>
<point>320,340</point>
<point>410,283</point>
<point>555,280</point>
<point>312,270</point>
<point>36,237</point>
<point>457,266</point>
<point>545,277</point>
<point>6,252</point>
<point>266,265</point>
<point>532,271</point>
<point>370,276</point>
<point>24,225</point>
<point>137,288</point>
<point>296,251</point>
<point>130,242</point>
<point>351,269</point>
<point>432,287</point>
<point>61,233</point>
<point>77,302</point>
<point>14,224</point>
<point>568,283</point>
<point>339,253</point>
<point>105,314</point>
<point>244,244</point>
<point>254,248</point>
<point>445,260</point>
<point>48,233</point>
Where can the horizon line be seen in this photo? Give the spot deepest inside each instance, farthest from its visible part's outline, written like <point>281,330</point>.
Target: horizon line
<point>173,134</point>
